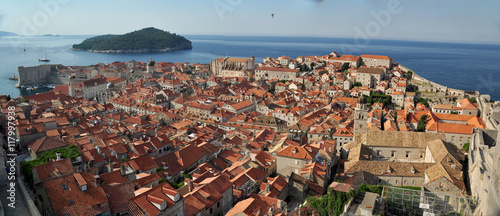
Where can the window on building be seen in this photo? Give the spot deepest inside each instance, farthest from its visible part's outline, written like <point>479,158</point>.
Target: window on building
<point>407,154</point>
<point>211,210</point>
<point>296,162</point>
<point>393,153</point>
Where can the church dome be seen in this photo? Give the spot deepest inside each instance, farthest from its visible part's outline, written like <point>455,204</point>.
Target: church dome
<point>362,99</point>
<point>110,85</point>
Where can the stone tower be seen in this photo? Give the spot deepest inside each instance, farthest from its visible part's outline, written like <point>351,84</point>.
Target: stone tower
<point>151,66</point>
<point>71,87</point>
<point>360,115</point>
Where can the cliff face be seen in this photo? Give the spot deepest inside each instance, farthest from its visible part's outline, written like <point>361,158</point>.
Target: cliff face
<point>142,41</point>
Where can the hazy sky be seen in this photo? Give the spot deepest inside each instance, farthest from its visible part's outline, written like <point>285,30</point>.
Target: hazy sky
<point>428,20</point>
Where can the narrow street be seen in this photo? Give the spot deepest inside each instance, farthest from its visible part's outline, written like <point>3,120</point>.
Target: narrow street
<point>21,206</point>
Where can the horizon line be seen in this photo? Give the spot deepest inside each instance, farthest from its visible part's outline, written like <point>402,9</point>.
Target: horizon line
<point>290,36</point>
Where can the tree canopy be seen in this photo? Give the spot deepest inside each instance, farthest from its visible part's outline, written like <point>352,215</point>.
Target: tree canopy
<point>147,38</point>
<point>421,126</point>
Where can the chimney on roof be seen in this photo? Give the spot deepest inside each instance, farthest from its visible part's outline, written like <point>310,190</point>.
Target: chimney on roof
<point>58,155</point>
<point>389,169</point>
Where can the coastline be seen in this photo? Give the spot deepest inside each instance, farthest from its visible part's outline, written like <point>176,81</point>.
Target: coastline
<point>436,87</point>
<point>134,50</point>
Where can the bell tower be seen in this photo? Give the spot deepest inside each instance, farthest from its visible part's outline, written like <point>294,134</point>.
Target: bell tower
<point>150,66</point>
<point>360,115</point>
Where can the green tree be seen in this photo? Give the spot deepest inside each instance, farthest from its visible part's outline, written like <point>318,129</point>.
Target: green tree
<point>472,100</point>
<point>423,101</point>
<point>147,38</point>
<point>421,126</point>
<point>358,84</point>
<point>345,66</point>
<point>466,146</point>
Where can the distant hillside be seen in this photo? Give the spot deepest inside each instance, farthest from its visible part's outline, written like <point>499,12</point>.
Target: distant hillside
<point>4,33</point>
<point>144,40</point>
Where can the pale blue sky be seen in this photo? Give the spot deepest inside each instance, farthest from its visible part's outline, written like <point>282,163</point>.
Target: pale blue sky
<point>427,20</point>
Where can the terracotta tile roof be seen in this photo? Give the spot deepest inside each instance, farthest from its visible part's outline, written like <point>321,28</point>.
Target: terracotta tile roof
<point>67,197</point>
<point>381,168</point>
<point>113,177</point>
<point>47,96</point>
<point>200,106</point>
<point>300,152</point>
<point>277,69</point>
<point>452,174</point>
<point>143,163</point>
<point>52,133</point>
<point>119,195</point>
<point>256,203</point>
<point>399,138</point>
<point>46,143</point>
<point>230,155</point>
<point>370,70</point>
<point>242,104</point>
<point>466,104</point>
<point>193,205</point>
<point>264,159</point>
<point>375,57</point>
<point>276,186</point>
<point>161,193</point>
<point>451,128</point>
<point>210,190</point>
<point>343,187</point>
<point>182,159</point>
<point>53,169</point>
<point>343,132</point>
<point>142,179</point>
<point>315,169</point>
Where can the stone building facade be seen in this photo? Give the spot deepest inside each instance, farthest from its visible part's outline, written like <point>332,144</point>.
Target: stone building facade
<point>484,175</point>
<point>370,77</point>
<point>376,61</point>
<point>232,67</point>
<point>269,73</point>
<point>35,75</point>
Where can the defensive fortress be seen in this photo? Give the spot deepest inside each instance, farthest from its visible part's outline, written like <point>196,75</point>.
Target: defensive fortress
<point>37,75</point>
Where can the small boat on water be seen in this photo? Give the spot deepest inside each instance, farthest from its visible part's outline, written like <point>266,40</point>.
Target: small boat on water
<point>44,56</point>
<point>13,78</point>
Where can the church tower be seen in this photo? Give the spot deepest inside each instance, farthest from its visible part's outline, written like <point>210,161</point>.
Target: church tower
<point>150,66</point>
<point>360,115</point>
<point>71,87</point>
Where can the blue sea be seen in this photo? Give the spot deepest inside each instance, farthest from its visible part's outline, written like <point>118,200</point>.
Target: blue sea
<point>457,65</point>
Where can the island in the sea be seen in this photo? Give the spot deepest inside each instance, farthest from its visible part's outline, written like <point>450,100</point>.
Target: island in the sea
<point>141,41</point>
<point>4,33</point>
